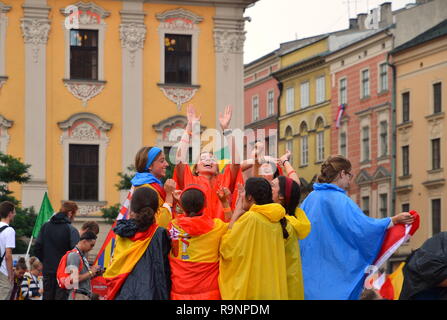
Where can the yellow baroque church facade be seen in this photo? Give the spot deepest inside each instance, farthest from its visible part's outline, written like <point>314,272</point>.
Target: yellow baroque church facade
<point>85,84</point>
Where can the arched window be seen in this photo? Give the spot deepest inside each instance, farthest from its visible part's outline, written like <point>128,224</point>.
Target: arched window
<point>319,127</point>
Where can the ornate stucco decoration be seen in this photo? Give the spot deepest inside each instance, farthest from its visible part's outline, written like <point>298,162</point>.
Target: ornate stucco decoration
<point>179,95</point>
<point>88,13</point>
<point>84,126</point>
<point>178,20</point>
<point>132,37</point>
<point>35,32</point>
<point>228,42</point>
<point>84,90</point>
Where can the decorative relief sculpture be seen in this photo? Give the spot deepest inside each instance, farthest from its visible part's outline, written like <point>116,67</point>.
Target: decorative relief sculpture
<point>228,42</point>
<point>35,32</point>
<point>179,95</point>
<point>84,91</point>
<point>132,37</point>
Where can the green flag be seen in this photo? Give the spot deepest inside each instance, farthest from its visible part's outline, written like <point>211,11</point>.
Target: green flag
<point>45,212</point>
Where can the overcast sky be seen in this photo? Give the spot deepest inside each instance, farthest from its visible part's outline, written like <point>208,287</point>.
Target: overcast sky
<point>276,21</point>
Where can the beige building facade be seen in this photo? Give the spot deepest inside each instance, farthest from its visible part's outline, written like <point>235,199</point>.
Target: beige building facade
<point>421,77</point>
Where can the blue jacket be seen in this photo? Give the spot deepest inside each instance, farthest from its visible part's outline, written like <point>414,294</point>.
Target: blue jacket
<point>342,244</point>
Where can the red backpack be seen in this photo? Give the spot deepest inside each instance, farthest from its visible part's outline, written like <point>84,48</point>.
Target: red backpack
<point>63,275</point>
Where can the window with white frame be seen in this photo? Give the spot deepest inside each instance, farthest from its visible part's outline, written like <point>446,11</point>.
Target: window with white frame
<point>321,89</point>
<point>304,145</point>
<point>383,138</point>
<point>290,99</point>
<point>179,56</point>
<point>365,83</point>
<point>255,108</point>
<point>289,146</point>
<point>305,94</point>
<point>343,91</point>
<point>304,151</point>
<point>270,102</point>
<point>383,77</point>
<point>365,143</point>
<point>3,24</point>
<point>320,146</point>
<point>84,54</point>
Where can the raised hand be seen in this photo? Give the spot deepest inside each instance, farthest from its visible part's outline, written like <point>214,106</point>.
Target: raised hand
<point>170,186</point>
<point>224,195</point>
<point>225,118</point>
<point>176,195</point>
<point>286,156</point>
<point>192,115</point>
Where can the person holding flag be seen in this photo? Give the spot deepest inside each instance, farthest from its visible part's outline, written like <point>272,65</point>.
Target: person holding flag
<point>140,267</point>
<point>344,241</point>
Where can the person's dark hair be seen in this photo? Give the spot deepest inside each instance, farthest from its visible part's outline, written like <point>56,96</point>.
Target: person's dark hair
<point>144,204</point>
<point>370,294</point>
<point>141,159</point>
<point>88,235</point>
<point>5,208</point>
<point>295,195</point>
<point>68,206</point>
<point>332,167</point>
<point>92,226</point>
<point>260,189</point>
<point>21,264</point>
<point>192,201</point>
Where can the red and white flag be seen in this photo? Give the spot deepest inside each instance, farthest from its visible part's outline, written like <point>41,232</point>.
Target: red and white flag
<point>341,110</point>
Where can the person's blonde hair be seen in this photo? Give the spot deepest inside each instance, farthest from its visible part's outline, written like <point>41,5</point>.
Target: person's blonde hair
<point>34,263</point>
<point>332,167</point>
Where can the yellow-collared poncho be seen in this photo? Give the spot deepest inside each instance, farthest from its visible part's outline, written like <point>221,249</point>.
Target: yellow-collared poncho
<point>253,262</point>
<point>298,227</point>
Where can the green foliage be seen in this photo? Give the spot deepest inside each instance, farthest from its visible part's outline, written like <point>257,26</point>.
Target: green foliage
<point>11,170</point>
<point>110,213</point>
<point>124,183</point>
<point>23,224</point>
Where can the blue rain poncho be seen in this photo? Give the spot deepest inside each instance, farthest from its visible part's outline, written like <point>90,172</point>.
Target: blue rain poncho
<point>342,244</point>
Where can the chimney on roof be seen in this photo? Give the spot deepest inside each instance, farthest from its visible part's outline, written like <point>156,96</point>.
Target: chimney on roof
<point>361,18</point>
<point>353,24</point>
<point>386,15</point>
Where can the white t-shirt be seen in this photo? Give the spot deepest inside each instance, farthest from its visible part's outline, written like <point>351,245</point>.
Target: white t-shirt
<point>7,240</point>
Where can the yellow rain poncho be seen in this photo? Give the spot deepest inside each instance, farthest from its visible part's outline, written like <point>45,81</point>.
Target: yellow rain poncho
<point>298,227</point>
<point>253,262</point>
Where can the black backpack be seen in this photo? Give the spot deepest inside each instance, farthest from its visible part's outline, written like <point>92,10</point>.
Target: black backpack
<point>3,256</point>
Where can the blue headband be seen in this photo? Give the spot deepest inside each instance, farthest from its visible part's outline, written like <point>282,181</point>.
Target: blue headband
<point>151,155</point>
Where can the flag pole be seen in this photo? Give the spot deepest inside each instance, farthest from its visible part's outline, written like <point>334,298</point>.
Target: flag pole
<point>29,247</point>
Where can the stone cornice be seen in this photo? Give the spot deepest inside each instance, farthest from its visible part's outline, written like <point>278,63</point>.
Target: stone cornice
<point>261,123</point>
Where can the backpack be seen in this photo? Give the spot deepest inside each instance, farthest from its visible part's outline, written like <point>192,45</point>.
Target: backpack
<point>63,275</point>
<point>3,255</point>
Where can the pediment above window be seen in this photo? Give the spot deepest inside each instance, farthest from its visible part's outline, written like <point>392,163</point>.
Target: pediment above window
<point>363,178</point>
<point>89,13</point>
<point>381,174</point>
<point>84,126</point>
